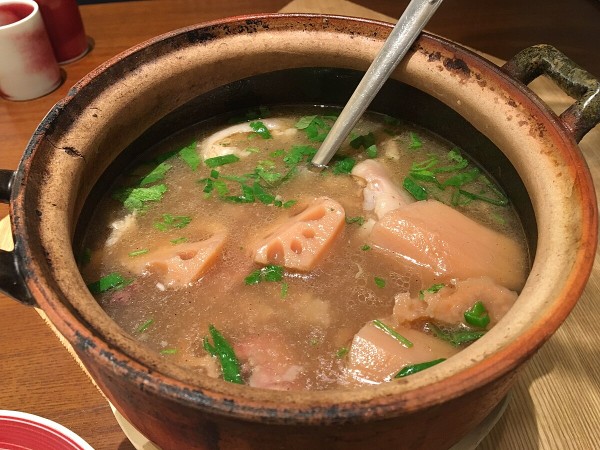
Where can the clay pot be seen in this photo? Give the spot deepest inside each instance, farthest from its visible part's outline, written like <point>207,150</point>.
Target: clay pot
<point>176,79</point>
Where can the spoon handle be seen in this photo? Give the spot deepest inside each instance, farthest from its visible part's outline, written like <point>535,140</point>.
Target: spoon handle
<point>414,18</point>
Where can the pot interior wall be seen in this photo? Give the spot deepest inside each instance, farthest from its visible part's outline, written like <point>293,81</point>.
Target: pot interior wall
<point>332,87</point>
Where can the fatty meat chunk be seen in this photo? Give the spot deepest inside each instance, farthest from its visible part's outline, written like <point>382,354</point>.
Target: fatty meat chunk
<point>119,228</point>
<point>450,302</point>
<point>303,240</point>
<point>217,144</point>
<point>375,356</point>
<point>380,194</point>
<point>441,241</point>
<point>267,358</point>
<point>179,265</point>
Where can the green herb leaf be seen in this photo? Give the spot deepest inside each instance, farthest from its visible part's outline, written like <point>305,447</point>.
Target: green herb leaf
<point>190,156</point>
<point>168,351</point>
<point>316,127</point>
<point>415,189</point>
<point>140,252</point>
<point>365,247</point>
<point>359,220</point>
<point>108,282</point>
<point>156,174</point>
<point>415,141</point>
<point>143,327</point>
<point>344,165</point>
<point>224,351</point>
<point>299,154</point>
<point>261,129</point>
<point>221,160</point>
<point>431,289</point>
<point>304,122</point>
<point>380,282</point>
<point>170,221</point>
<point>371,151</point>
<point>364,140</point>
<point>179,240</point>
<point>284,290</point>
<point>414,368</point>
<point>477,315</point>
<point>457,337</point>
<point>136,198</point>
<point>342,352</point>
<point>393,333</point>
<point>268,273</point>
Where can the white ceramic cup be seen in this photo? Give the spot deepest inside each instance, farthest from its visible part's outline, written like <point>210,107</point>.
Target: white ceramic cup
<point>28,67</point>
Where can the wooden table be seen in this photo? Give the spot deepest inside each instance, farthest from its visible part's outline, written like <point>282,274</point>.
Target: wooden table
<point>556,402</point>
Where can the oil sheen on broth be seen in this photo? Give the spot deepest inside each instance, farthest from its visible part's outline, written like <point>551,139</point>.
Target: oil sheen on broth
<point>222,251</point>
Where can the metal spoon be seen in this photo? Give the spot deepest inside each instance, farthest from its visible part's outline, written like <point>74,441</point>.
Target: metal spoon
<point>414,18</point>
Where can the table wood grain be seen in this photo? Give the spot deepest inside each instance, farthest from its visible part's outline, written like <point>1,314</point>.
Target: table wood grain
<point>556,402</point>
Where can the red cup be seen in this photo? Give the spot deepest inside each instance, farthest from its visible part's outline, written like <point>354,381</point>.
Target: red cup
<point>65,29</point>
<point>28,68</point>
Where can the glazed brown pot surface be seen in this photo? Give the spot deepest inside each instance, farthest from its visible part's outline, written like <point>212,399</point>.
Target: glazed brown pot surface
<point>108,115</point>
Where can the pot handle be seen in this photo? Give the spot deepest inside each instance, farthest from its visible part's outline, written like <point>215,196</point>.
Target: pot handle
<point>544,59</point>
<point>11,282</point>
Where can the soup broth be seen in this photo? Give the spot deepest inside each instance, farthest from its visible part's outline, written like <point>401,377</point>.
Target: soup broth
<point>224,252</point>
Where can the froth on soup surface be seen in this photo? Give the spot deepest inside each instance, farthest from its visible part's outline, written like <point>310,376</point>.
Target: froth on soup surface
<point>222,251</point>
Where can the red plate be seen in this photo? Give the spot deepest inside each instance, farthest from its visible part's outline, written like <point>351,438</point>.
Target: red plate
<point>22,431</point>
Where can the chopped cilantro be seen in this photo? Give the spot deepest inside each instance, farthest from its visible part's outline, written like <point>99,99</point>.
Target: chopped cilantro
<point>371,151</point>
<point>156,174</point>
<point>304,122</point>
<point>271,273</point>
<point>284,290</point>
<point>455,337</point>
<point>168,351</point>
<point>144,326</point>
<point>289,203</point>
<point>342,352</point>
<point>477,315</point>
<point>223,350</point>
<point>253,149</point>
<point>179,240</point>
<point>431,289</point>
<point>415,189</point>
<point>260,129</point>
<point>136,198</point>
<point>414,368</point>
<point>299,154</point>
<point>316,127</point>
<point>393,333</point>
<point>140,252</point>
<point>221,160</point>
<point>189,155</point>
<point>380,282</point>
<point>108,282</point>
<point>170,221</point>
<point>415,141</point>
<point>365,248</point>
<point>364,140</point>
<point>344,165</point>
<point>358,220</point>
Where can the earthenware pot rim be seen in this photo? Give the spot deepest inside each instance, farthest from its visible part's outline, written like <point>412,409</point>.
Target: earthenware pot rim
<point>385,400</point>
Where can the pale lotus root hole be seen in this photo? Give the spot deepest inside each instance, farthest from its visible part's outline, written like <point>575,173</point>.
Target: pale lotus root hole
<point>296,246</point>
<point>187,255</point>
<point>308,233</point>
<point>275,252</point>
<point>315,214</point>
